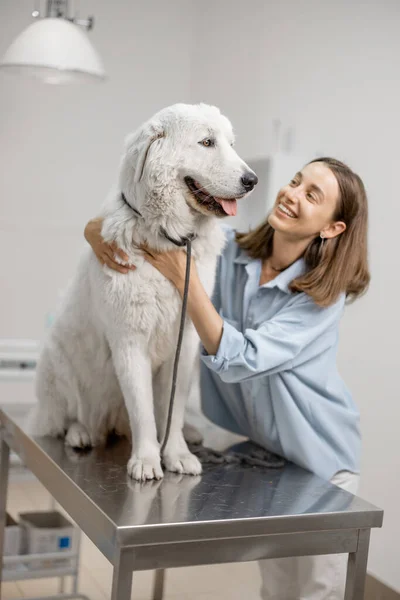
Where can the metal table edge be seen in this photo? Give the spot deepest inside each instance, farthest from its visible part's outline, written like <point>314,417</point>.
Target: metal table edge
<point>250,527</point>
<point>13,436</point>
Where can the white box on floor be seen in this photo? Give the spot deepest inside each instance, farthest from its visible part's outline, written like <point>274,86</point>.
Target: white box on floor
<point>48,532</point>
<point>12,537</point>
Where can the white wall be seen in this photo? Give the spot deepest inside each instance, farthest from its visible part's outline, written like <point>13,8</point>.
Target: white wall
<point>331,69</point>
<point>60,146</point>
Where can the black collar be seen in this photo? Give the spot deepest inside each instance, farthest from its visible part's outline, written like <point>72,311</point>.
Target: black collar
<point>181,242</point>
<point>123,197</point>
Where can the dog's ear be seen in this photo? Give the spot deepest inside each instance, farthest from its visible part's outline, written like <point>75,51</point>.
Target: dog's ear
<point>138,145</point>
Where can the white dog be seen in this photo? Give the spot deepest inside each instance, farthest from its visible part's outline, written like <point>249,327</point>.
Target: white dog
<point>107,364</point>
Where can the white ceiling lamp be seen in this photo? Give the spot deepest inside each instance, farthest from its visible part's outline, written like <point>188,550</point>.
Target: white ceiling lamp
<point>55,49</point>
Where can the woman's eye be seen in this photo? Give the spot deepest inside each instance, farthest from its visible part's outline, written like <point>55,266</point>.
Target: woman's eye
<point>293,182</point>
<point>311,197</point>
<point>208,142</point>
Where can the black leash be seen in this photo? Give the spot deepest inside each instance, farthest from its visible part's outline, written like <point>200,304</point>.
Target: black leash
<point>184,241</point>
<point>179,344</point>
<point>246,454</point>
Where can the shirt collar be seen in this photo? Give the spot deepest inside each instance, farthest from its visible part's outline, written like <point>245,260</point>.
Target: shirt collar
<point>282,280</point>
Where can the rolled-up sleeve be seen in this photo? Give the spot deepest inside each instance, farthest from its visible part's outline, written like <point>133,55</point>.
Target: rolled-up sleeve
<point>301,329</point>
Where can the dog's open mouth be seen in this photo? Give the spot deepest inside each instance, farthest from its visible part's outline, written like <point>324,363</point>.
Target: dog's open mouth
<point>221,206</point>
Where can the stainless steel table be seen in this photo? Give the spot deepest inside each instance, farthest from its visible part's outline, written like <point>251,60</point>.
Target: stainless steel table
<point>228,514</point>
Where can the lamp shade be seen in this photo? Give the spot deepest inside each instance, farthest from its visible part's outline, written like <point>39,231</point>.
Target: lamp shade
<point>55,51</point>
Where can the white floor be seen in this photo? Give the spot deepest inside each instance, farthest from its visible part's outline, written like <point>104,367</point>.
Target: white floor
<point>222,582</point>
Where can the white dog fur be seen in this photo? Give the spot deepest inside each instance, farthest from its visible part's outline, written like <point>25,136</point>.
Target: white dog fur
<point>107,362</point>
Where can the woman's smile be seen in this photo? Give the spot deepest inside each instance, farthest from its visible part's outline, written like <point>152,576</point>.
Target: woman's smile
<point>285,211</point>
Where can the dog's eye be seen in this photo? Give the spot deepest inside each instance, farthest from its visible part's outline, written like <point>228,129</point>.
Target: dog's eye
<point>207,142</point>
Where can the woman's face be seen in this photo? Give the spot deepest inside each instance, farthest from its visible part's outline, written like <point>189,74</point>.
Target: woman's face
<point>306,206</point>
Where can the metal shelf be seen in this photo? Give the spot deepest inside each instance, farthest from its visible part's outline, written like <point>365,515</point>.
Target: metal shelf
<point>24,572</point>
<point>16,568</point>
<point>19,575</point>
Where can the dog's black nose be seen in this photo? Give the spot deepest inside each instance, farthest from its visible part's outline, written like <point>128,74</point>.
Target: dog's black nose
<point>249,180</point>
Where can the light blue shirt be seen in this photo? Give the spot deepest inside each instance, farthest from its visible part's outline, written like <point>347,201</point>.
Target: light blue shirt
<point>274,378</point>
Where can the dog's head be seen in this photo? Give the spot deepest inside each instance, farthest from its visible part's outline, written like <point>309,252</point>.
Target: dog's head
<point>183,159</point>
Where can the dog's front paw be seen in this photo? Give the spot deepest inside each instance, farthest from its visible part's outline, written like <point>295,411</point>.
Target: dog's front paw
<point>78,436</point>
<point>182,462</point>
<point>143,469</point>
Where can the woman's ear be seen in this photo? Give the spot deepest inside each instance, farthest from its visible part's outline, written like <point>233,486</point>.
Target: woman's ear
<point>333,230</point>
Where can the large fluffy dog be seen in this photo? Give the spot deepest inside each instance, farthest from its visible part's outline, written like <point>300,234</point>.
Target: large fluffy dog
<point>107,364</point>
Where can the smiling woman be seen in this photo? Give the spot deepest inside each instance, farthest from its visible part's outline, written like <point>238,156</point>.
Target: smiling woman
<point>269,341</point>
<point>310,213</point>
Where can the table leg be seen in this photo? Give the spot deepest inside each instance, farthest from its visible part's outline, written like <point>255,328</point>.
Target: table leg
<point>159,582</point>
<point>61,585</point>
<point>122,577</point>
<point>4,467</point>
<point>357,568</point>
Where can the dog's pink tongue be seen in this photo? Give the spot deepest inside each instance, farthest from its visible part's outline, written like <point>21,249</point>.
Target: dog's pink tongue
<point>229,206</point>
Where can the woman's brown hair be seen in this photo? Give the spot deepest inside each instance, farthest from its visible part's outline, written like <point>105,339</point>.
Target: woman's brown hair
<point>335,265</point>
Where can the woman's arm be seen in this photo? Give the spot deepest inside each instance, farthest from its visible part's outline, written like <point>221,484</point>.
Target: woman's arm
<point>105,252</point>
<point>207,321</point>
<point>298,332</point>
<point>205,318</point>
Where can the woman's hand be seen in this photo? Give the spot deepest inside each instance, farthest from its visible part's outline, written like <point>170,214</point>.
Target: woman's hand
<point>105,252</point>
<point>171,264</point>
